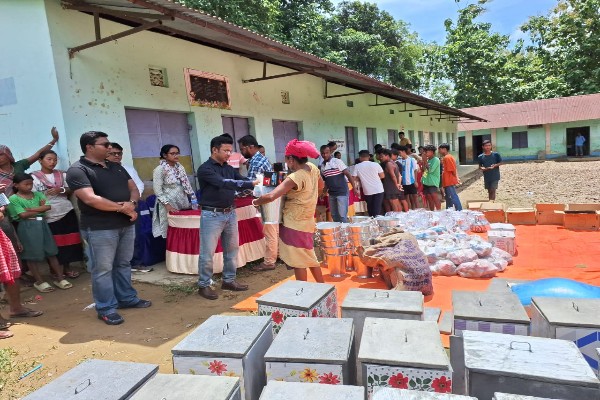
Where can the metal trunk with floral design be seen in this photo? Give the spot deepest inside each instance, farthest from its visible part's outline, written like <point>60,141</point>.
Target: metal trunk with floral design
<point>313,350</point>
<point>576,320</point>
<point>425,380</point>
<point>499,312</point>
<point>172,386</point>
<point>387,393</point>
<point>227,346</point>
<point>526,365</point>
<point>276,390</point>
<point>403,354</point>
<point>298,299</point>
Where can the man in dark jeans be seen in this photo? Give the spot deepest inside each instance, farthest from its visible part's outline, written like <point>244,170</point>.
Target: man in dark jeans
<point>218,220</point>
<point>489,164</point>
<point>107,198</point>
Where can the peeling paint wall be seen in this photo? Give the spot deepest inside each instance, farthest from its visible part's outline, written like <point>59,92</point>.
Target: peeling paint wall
<point>98,84</point>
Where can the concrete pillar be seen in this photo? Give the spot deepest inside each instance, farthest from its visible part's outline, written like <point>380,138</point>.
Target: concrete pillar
<point>469,154</point>
<point>493,137</point>
<point>548,145</point>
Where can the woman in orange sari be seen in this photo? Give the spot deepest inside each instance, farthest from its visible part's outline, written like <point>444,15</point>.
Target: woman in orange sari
<point>301,188</point>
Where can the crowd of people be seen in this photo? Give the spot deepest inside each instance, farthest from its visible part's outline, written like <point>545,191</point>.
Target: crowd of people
<point>401,180</point>
<point>40,226</point>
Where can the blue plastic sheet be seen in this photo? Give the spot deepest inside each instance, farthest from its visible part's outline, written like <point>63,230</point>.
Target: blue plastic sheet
<point>555,287</point>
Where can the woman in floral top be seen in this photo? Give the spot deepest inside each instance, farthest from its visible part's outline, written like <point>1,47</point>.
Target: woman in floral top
<point>171,187</point>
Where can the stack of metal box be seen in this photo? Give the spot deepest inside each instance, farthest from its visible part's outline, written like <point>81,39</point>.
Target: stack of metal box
<point>227,345</point>
<point>313,350</point>
<point>298,299</point>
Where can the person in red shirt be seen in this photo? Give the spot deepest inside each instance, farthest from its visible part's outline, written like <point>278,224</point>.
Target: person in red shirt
<point>449,177</point>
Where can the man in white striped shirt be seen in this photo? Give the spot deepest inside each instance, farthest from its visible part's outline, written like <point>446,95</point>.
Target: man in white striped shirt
<point>409,168</point>
<point>334,173</point>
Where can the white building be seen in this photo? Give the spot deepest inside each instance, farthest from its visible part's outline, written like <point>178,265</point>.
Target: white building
<point>122,66</point>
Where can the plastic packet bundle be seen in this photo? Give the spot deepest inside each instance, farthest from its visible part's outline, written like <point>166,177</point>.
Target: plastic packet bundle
<point>443,268</point>
<point>462,256</point>
<point>499,253</point>
<point>477,269</point>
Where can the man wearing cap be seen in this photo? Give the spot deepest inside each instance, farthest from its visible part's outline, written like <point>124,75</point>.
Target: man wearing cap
<point>370,175</point>
<point>218,220</point>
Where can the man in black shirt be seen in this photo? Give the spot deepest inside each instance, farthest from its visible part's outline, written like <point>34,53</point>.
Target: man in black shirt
<point>218,183</point>
<point>107,197</point>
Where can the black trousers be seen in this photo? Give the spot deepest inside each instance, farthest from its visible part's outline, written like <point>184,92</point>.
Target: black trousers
<point>374,204</point>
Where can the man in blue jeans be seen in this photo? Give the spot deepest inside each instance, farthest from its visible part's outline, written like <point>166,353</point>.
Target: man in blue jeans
<point>335,173</point>
<point>449,177</point>
<point>107,198</point>
<point>218,220</point>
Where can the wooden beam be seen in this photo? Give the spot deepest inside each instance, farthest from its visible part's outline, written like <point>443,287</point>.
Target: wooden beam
<point>116,36</point>
<point>97,26</point>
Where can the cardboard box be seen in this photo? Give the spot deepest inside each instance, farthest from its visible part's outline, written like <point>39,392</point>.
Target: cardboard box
<point>521,216</point>
<point>502,227</point>
<point>585,217</point>
<point>504,240</point>
<point>494,212</point>
<point>475,204</point>
<point>545,214</point>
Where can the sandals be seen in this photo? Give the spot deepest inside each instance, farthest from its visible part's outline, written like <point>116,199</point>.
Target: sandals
<point>4,324</point>
<point>64,284</point>
<point>6,334</point>
<point>27,313</point>
<point>72,274</point>
<point>43,287</point>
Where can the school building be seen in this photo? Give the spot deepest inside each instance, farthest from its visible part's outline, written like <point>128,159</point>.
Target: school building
<point>532,130</point>
<point>153,72</point>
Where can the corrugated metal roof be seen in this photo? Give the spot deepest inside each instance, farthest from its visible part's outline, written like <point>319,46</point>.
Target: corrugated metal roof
<point>535,112</point>
<point>202,28</point>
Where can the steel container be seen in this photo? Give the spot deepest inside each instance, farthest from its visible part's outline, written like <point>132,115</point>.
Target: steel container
<point>227,345</point>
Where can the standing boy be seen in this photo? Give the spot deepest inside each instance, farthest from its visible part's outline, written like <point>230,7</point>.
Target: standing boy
<point>489,163</point>
<point>579,141</point>
<point>431,178</point>
<point>409,168</point>
<point>449,177</point>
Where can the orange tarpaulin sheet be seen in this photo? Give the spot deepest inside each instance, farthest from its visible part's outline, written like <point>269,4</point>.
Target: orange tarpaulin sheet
<point>544,251</point>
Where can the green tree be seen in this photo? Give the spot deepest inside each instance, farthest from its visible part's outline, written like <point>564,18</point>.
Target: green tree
<point>371,41</point>
<point>474,58</point>
<point>567,41</point>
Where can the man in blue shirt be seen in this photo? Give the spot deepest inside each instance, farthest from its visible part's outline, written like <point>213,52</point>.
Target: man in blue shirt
<point>489,163</point>
<point>579,141</point>
<point>218,220</point>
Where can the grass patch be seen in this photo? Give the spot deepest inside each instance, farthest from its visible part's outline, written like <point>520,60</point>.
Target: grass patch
<point>177,291</point>
<point>11,370</point>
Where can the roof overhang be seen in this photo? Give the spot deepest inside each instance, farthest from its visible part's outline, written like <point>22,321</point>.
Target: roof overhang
<point>173,19</point>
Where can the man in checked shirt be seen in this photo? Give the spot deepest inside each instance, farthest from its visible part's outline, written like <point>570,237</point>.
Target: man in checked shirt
<point>258,164</point>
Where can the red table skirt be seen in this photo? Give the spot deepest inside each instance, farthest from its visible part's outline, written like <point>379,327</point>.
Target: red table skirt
<point>183,239</point>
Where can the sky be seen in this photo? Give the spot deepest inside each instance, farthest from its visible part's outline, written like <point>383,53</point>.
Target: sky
<point>426,17</point>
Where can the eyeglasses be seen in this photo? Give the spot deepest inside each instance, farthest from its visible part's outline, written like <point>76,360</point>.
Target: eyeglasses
<point>105,144</point>
<point>173,154</point>
<point>116,154</point>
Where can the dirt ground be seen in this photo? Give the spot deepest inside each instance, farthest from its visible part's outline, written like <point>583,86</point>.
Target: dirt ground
<point>524,184</point>
<point>66,335</point>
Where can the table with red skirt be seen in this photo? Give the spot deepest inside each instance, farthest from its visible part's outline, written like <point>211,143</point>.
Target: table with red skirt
<point>183,239</point>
